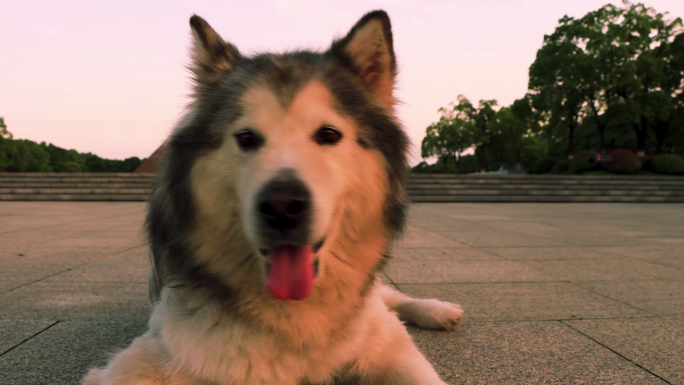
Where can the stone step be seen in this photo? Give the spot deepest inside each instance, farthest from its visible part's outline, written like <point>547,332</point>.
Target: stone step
<point>544,177</point>
<point>73,197</point>
<point>75,180</point>
<point>131,175</point>
<point>416,193</point>
<point>543,187</point>
<point>677,181</point>
<point>76,185</point>
<point>549,199</point>
<point>78,191</point>
<point>422,188</point>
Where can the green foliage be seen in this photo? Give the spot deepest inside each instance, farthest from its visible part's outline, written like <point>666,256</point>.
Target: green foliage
<point>541,166</point>
<point>447,138</point>
<point>3,130</point>
<point>668,164</point>
<point>29,156</point>
<point>468,165</point>
<point>24,156</point>
<point>561,167</point>
<point>624,161</point>
<point>583,161</point>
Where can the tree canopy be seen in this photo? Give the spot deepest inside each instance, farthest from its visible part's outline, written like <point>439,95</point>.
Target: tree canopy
<point>613,78</point>
<point>20,155</point>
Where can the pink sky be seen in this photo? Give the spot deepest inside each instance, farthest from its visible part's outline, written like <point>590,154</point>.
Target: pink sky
<point>108,77</point>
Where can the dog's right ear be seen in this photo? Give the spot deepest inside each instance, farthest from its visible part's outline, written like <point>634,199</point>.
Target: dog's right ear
<point>211,55</point>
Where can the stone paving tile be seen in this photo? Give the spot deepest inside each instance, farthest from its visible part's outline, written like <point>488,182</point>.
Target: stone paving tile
<point>67,242</point>
<point>64,353</point>
<point>655,344</point>
<point>462,271</point>
<point>541,253</point>
<point>417,237</point>
<point>15,331</point>
<point>21,270</point>
<point>127,266</point>
<point>603,270</point>
<point>442,254</point>
<point>663,298</point>
<point>516,269</point>
<point>72,300</point>
<point>489,239</point>
<point>524,353</point>
<point>34,215</point>
<point>525,301</point>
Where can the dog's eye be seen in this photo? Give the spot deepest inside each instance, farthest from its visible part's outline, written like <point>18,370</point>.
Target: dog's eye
<point>327,135</point>
<point>248,140</point>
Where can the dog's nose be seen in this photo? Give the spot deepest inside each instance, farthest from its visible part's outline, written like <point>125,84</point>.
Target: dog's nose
<point>284,203</point>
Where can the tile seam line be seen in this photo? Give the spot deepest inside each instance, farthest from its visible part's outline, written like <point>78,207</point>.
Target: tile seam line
<point>616,353</point>
<point>29,338</point>
<point>69,269</point>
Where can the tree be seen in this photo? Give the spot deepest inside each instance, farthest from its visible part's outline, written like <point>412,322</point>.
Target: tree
<point>556,79</point>
<point>447,138</point>
<point>3,130</point>
<point>621,58</point>
<point>481,119</point>
<point>639,44</point>
<point>669,101</point>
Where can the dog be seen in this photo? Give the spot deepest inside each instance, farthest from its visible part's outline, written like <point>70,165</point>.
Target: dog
<point>274,211</point>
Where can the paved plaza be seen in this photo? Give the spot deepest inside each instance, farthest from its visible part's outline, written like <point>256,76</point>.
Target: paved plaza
<point>552,293</point>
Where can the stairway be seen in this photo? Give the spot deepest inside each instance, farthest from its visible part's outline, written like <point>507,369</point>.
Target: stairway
<point>545,188</point>
<point>75,186</point>
<point>422,188</point>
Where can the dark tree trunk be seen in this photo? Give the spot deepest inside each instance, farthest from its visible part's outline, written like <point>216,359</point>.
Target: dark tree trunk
<point>571,135</point>
<point>641,130</point>
<point>660,129</point>
<point>445,161</point>
<point>602,136</point>
<point>481,156</point>
<point>601,126</point>
<point>457,161</point>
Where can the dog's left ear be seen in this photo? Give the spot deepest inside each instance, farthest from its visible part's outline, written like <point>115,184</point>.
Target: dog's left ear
<point>368,52</point>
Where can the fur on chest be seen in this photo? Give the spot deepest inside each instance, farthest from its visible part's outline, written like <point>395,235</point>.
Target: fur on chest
<point>285,349</point>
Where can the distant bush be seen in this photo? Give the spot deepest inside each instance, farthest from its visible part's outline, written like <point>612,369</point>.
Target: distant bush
<point>436,168</point>
<point>623,161</point>
<point>583,161</point>
<point>29,156</point>
<point>23,156</point>
<point>541,166</point>
<point>668,164</point>
<point>561,167</point>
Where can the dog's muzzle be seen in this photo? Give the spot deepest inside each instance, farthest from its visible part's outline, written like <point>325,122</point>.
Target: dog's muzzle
<point>285,218</point>
<point>284,212</point>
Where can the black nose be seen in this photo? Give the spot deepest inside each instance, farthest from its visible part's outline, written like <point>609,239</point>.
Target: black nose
<point>284,203</point>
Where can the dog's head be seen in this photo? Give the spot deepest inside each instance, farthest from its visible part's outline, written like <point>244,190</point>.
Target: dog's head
<point>281,157</point>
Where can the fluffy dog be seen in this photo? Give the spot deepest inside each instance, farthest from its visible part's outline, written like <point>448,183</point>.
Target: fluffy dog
<point>273,214</point>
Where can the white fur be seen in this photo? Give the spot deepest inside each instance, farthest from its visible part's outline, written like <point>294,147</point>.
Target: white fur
<point>206,348</point>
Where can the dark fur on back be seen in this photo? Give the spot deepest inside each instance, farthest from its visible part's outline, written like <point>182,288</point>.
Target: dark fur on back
<point>170,214</point>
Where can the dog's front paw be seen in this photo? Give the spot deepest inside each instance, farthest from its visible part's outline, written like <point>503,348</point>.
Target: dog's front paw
<point>430,313</point>
<point>436,314</point>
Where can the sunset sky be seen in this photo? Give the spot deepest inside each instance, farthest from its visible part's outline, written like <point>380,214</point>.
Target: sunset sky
<point>109,77</point>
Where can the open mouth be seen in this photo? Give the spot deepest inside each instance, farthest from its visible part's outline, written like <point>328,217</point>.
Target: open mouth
<point>291,270</point>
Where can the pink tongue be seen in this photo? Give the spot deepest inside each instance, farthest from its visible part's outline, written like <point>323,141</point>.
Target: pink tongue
<point>291,273</point>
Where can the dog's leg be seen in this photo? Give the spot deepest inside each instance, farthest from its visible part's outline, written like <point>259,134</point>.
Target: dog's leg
<point>424,313</point>
<point>139,364</point>
<point>389,356</point>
